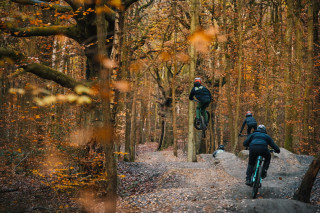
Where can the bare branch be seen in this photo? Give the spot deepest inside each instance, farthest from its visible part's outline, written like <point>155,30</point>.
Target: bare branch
<point>74,4</point>
<point>43,4</point>
<point>39,70</point>
<point>70,31</point>
<point>48,73</point>
<point>8,53</point>
<point>127,3</point>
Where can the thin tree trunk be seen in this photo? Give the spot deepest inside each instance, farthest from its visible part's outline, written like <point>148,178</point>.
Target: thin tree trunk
<point>106,140</point>
<point>288,80</point>
<point>173,86</point>
<point>309,70</point>
<point>133,122</point>
<point>237,113</point>
<point>193,62</point>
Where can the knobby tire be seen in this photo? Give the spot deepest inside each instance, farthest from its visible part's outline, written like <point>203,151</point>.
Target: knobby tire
<point>256,184</point>
<point>203,125</point>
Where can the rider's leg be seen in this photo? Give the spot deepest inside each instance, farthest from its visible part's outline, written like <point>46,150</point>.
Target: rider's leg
<point>198,110</point>
<point>249,129</point>
<point>267,157</point>
<point>249,172</point>
<point>255,127</point>
<point>203,108</point>
<point>252,160</point>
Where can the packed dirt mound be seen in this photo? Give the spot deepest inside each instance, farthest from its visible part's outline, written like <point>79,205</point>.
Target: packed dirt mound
<point>213,184</point>
<point>276,206</point>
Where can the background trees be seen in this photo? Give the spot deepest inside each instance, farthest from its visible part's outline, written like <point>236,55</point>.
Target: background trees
<point>260,55</point>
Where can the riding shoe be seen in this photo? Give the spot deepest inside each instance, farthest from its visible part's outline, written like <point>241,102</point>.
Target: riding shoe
<point>248,183</point>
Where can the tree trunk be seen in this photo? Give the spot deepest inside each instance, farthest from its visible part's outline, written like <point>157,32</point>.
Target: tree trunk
<point>105,138</point>
<point>239,31</point>
<point>298,59</point>
<point>304,191</point>
<point>173,85</point>
<point>193,62</point>
<point>288,79</point>
<point>133,122</point>
<point>309,70</point>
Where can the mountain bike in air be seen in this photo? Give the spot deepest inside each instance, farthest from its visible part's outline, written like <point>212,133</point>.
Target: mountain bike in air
<point>202,124</point>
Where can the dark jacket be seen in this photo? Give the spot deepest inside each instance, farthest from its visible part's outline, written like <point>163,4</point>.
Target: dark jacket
<point>250,121</point>
<point>214,154</point>
<point>260,138</point>
<point>201,93</point>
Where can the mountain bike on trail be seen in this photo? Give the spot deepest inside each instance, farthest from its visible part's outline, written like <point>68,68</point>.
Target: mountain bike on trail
<point>257,175</point>
<point>258,143</point>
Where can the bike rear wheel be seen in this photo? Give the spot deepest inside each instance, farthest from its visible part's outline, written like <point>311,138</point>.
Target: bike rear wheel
<point>257,182</point>
<point>204,127</point>
<point>197,125</point>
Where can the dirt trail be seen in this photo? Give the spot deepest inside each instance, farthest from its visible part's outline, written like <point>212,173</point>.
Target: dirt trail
<point>213,185</point>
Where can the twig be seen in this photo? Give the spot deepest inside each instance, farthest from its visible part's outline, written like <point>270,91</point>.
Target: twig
<point>14,169</point>
<point>9,190</point>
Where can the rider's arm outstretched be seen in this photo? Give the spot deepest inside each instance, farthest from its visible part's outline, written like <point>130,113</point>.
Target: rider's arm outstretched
<point>273,145</point>
<point>192,93</point>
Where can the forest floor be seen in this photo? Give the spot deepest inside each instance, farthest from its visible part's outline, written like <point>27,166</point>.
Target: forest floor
<point>161,182</point>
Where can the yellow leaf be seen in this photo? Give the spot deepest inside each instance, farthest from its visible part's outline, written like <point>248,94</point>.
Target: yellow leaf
<point>37,116</point>
<point>80,89</point>
<point>72,98</point>
<point>84,100</point>
<point>116,3</point>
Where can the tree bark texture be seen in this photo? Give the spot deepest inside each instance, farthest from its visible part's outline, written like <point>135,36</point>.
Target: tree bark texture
<point>304,191</point>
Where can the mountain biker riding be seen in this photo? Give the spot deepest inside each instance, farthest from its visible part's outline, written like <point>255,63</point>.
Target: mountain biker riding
<point>251,123</point>
<point>219,150</point>
<point>203,95</point>
<point>258,143</point>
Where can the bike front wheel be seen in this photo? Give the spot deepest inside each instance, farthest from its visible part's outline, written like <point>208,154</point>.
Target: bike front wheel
<point>257,182</point>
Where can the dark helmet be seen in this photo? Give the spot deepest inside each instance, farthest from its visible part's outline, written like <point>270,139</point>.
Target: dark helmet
<point>249,113</point>
<point>221,146</point>
<point>261,128</point>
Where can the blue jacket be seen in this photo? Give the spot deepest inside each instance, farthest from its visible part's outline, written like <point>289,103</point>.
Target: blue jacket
<point>201,93</point>
<point>249,121</point>
<point>260,138</point>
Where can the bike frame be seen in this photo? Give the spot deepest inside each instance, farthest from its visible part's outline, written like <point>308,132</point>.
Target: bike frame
<point>203,123</point>
<point>260,160</point>
<point>256,178</point>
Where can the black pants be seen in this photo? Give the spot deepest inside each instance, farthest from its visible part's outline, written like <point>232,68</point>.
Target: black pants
<point>251,126</point>
<point>254,152</point>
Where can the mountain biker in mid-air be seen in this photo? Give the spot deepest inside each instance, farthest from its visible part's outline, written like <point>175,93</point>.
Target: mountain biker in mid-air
<point>251,123</point>
<point>258,143</point>
<point>203,95</point>
<point>219,150</point>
